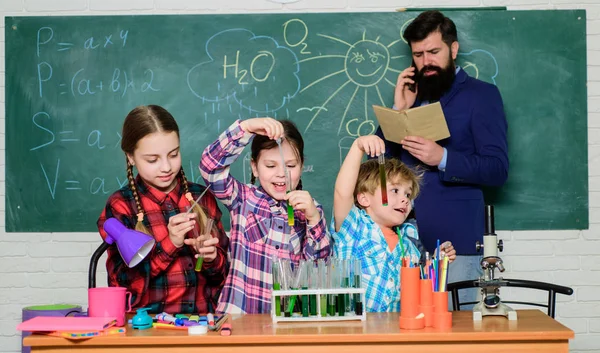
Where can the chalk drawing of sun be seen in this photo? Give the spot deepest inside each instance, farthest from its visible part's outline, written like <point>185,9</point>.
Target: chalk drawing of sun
<point>366,64</point>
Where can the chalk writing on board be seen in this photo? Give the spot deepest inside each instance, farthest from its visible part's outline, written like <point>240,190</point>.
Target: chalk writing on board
<point>486,68</point>
<point>57,178</point>
<point>366,63</point>
<point>85,81</point>
<point>79,84</point>
<point>310,109</point>
<point>289,29</point>
<point>96,185</point>
<point>94,138</point>
<point>45,40</point>
<point>260,78</point>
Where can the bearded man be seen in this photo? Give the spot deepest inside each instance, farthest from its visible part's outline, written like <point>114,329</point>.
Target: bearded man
<point>451,205</point>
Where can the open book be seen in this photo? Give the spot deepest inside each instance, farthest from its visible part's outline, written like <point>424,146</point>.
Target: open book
<point>426,121</point>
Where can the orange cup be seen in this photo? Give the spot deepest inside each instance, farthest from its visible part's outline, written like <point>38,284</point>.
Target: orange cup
<point>440,302</point>
<point>412,323</point>
<point>442,320</point>
<point>426,293</point>
<point>427,310</point>
<point>411,317</point>
<point>410,289</point>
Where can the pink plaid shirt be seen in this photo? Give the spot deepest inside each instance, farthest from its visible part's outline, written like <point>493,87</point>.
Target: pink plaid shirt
<point>259,228</point>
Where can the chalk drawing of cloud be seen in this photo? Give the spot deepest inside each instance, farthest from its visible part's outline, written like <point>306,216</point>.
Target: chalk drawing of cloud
<point>253,72</point>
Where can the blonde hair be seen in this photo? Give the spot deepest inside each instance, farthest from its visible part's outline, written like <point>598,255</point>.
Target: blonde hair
<point>395,172</point>
<point>140,122</point>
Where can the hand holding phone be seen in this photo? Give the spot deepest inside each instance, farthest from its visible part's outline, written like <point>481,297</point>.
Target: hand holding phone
<point>405,98</point>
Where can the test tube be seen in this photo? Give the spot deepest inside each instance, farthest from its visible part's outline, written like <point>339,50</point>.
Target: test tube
<point>288,183</point>
<point>332,283</point>
<point>347,277</point>
<point>276,283</point>
<point>296,283</point>
<point>382,181</point>
<point>313,280</point>
<point>306,266</point>
<point>286,281</point>
<point>207,230</point>
<point>342,283</point>
<point>290,209</point>
<point>358,306</point>
<point>322,267</point>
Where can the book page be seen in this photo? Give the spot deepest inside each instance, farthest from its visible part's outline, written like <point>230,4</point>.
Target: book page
<point>428,121</point>
<point>393,123</point>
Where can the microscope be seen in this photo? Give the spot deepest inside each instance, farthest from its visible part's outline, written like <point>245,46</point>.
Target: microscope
<point>490,303</point>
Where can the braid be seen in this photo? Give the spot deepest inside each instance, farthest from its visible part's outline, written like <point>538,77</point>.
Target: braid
<point>139,225</point>
<point>299,187</point>
<point>252,178</point>
<point>184,181</point>
<point>197,209</point>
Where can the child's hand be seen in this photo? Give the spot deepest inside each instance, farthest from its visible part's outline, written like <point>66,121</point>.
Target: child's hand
<point>205,246</point>
<point>448,249</point>
<point>372,145</point>
<point>301,200</point>
<point>263,126</point>
<point>178,227</point>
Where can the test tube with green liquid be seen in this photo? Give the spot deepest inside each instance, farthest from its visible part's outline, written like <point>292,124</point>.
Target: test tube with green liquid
<point>358,306</point>
<point>276,283</point>
<point>322,267</point>
<point>313,280</point>
<point>382,181</point>
<point>331,283</point>
<point>343,283</point>
<point>288,182</point>
<point>297,282</point>
<point>304,283</point>
<point>290,209</point>
<point>286,281</point>
<point>207,230</point>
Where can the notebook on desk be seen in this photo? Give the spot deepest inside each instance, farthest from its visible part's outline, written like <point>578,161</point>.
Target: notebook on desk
<point>66,324</point>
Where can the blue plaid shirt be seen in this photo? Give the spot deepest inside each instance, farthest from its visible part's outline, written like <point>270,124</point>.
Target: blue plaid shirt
<point>361,239</point>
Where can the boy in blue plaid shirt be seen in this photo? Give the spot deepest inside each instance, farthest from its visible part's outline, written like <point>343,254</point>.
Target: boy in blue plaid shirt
<point>367,231</point>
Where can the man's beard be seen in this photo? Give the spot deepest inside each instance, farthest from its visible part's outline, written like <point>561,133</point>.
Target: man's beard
<point>432,87</point>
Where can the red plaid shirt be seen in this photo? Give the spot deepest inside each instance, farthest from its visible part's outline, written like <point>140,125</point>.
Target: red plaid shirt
<point>165,280</point>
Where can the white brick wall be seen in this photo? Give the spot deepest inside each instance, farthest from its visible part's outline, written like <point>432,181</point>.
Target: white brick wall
<point>37,269</point>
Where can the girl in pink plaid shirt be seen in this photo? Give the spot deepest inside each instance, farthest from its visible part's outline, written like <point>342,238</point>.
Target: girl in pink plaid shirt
<point>260,228</point>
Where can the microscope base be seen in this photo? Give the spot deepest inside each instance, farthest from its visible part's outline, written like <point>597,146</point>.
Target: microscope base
<point>480,310</point>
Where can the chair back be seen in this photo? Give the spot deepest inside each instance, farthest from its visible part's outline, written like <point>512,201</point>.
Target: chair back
<point>552,290</point>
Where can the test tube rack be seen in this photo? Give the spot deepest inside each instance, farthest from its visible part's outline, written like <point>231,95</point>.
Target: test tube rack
<point>319,293</point>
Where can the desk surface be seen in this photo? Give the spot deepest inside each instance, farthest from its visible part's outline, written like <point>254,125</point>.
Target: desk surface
<point>532,329</point>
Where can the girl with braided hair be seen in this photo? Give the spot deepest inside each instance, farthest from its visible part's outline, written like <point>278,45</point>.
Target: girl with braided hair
<point>154,202</point>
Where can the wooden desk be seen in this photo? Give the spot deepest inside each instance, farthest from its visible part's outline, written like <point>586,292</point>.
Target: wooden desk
<point>533,332</point>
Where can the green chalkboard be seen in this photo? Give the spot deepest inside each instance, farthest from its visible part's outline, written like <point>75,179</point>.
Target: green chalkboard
<point>70,81</point>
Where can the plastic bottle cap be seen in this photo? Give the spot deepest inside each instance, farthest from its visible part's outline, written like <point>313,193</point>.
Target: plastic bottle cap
<point>197,330</point>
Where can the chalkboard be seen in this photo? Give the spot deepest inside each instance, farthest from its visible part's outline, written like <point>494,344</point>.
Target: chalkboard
<point>70,81</point>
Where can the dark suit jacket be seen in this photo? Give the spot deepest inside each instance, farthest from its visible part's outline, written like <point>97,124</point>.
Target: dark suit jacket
<point>450,205</point>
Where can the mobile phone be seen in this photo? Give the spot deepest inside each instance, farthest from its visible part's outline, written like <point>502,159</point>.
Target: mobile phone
<point>413,86</point>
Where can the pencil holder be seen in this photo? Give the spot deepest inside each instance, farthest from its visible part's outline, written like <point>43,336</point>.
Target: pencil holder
<point>410,288</point>
<point>426,292</point>
<point>440,301</point>
<point>426,301</point>
<point>442,318</point>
